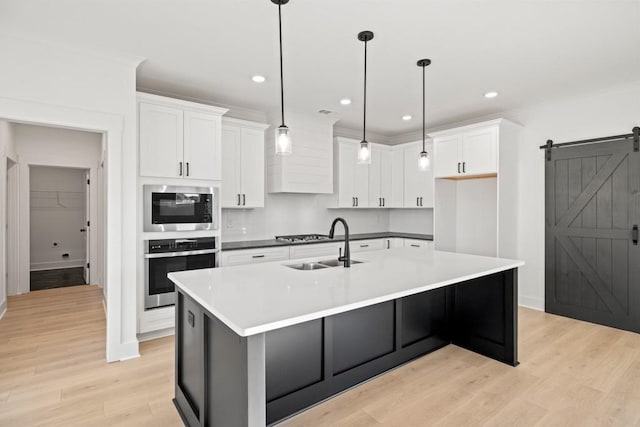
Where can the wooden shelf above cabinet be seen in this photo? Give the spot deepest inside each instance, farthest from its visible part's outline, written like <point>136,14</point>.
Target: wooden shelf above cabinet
<point>466,177</point>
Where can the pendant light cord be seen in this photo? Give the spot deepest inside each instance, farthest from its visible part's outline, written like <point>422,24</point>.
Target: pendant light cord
<point>281,72</point>
<point>423,108</point>
<point>364,121</point>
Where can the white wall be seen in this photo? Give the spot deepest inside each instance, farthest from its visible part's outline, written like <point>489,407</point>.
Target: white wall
<point>7,149</point>
<point>297,214</point>
<point>56,215</point>
<point>610,112</point>
<point>54,84</point>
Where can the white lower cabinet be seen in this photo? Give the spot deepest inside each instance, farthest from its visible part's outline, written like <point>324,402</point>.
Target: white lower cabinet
<point>367,245</point>
<point>254,256</point>
<point>416,243</point>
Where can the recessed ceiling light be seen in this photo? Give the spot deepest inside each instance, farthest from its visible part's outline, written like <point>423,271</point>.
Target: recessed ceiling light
<point>490,95</point>
<point>406,118</point>
<point>258,78</point>
<point>345,101</point>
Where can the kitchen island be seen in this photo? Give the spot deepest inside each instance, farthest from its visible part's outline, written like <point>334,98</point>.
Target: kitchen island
<point>258,343</point>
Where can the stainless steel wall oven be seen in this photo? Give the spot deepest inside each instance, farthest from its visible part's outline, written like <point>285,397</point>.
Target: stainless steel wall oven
<point>169,255</point>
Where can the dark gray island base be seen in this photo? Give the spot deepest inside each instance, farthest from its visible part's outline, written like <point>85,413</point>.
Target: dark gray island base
<point>223,379</point>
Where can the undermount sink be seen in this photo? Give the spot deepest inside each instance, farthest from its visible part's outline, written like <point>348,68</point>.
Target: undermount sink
<point>336,263</point>
<point>319,265</point>
<point>307,266</point>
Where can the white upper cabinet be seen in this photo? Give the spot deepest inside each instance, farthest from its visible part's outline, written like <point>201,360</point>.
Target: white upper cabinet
<point>161,140</point>
<point>179,139</point>
<point>449,153</point>
<point>243,166</point>
<point>353,179</point>
<point>467,153</point>
<point>380,177</point>
<point>396,199</point>
<point>480,151</point>
<point>202,156</point>
<point>418,184</point>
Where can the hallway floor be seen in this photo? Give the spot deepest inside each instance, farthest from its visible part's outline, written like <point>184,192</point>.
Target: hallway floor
<point>53,370</point>
<point>58,278</point>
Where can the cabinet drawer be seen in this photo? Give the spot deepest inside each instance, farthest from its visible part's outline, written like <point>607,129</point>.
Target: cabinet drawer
<point>368,245</point>
<point>418,244</point>
<point>317,249</point>
<point>254,256</point>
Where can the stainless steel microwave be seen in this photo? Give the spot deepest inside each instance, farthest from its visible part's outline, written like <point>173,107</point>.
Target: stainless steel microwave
<point>173,208</point>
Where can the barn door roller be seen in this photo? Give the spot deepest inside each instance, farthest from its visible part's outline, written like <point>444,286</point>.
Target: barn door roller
<point>635,134</point>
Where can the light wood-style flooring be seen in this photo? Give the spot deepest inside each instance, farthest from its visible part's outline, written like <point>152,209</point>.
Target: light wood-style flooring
<point>52,372</point>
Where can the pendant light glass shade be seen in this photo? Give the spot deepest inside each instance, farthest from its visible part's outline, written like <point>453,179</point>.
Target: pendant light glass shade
<point>364,152</point>
<point>424,163</point>
<point>283,141</point>
<point>284,145</point>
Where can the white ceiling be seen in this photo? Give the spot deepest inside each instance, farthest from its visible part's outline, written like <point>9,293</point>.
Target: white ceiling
<point>527,50</point>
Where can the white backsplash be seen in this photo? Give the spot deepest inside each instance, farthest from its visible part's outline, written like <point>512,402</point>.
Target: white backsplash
<point>411,221</point>
<point>307,213</point>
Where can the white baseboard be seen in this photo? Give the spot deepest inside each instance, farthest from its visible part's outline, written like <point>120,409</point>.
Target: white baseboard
<point>3,308</point>
<point>56,265</point>
<point>148,336</point>
<point>531,302</point>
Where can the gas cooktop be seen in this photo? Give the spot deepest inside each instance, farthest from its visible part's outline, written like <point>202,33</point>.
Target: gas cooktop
<point>301,238</point>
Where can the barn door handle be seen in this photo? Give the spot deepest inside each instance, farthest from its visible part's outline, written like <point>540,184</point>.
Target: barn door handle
<point>634,234</point>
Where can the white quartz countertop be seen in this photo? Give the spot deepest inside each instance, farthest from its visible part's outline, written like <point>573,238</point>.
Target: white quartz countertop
<point>256,298</point>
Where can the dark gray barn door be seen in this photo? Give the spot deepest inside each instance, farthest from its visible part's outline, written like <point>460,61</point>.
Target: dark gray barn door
<point>592,262</point>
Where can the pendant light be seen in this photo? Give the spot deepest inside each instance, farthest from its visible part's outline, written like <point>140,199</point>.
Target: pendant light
<point>424,162</point>
<point>364,153</point>
<point>283,138</point>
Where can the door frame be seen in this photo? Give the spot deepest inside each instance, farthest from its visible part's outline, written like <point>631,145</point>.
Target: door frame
<point>121,341</point>
<point>13,220</point>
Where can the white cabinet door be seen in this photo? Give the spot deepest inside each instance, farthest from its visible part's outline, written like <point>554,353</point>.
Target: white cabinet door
<point>325,250</point>
<point>385,178</point>
<point>231,149</point>
<point>361,185</point>
<point>202,146</point>
<point>396,197</point>
<point>254,256</point>
<point>418,184</point>
<point>479,152</point>
<point>447,156</point>
<point>375,178</point>
<point>252,168</point>
<point>161,141</point>
<point>346,175</point>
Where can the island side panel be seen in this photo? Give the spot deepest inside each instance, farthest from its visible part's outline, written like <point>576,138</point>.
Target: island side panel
<point>356,346</point>
<point>484,316</point>
<point>220,376</point>
<point>189,361</point>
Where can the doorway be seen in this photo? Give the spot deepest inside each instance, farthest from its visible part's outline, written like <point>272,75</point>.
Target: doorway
<point>592,249</point>
<point>59,220</point>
